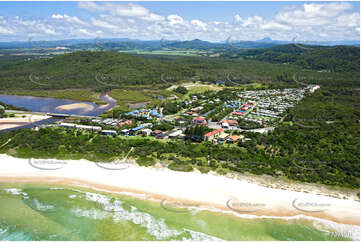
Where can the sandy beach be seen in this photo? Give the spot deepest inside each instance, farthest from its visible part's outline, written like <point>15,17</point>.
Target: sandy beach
<point>189,189</point>
<point>7,123</point>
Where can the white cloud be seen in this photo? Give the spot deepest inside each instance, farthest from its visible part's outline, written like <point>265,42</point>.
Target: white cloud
<point>122,10</point>
<point>6,31</point>
<point>275,26</point>
<point>313,14</point>
<point>85,32</point>
<point>67,18</point>
<point>103,24</point>
<point>175,19</point>
<point>350,20</point>
<point>58,16</point>
<point>312,21</point>
<point>199,24</point>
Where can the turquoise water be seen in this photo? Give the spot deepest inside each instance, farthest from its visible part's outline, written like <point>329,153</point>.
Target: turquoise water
<point>43,212</point>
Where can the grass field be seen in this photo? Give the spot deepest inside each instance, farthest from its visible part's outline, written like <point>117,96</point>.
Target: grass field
<point>124,97</point>
<point>201,88</point>
<point>167,52</point>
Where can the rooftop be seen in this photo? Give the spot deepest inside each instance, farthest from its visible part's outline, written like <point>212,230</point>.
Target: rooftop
<point>213,132</point>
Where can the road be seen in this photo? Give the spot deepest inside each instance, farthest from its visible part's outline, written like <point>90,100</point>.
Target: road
<point>50,114</point>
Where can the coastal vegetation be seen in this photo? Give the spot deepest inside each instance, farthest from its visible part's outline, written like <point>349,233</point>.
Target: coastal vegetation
<point>318,142</point>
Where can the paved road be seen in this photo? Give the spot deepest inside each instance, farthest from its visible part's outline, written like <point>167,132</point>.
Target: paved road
<point>50,114</point>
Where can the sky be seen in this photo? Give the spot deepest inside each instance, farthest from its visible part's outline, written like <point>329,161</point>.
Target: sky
<point>210,21</point>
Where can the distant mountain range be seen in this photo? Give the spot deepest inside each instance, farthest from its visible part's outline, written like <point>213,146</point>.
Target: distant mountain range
<point>192,44</point>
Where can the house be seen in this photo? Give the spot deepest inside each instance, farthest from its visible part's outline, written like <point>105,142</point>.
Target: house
<point>230,122</point>
<point>192,113</point>
<point>222,137</point>
<point>78,126</point>
<point>161,136</point>
<point>199,120</point>
<point>234,138</point>
<point>175,134</point>
<point>122,123</point>
<point>155,113</point>
<point>134,130</point>
<point>239,113</point>
<point>67,125</point>
<point>213,134</point>
<point>146,132</point>
<point>157,132</point>
<point>181,122</point>
<point>225,125</point>
<point>125,131</point>
<point>88,127</point>
<point>109,132</point>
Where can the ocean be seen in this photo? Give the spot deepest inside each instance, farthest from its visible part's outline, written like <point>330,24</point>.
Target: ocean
<point>49,212</point>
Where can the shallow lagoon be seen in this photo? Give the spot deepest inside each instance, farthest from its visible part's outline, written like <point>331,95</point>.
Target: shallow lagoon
<point>51,105</point>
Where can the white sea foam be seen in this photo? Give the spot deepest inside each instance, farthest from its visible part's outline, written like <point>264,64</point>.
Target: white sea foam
<point>114,208</point>
<point>42,207</point>
<point>338,230</point>
<point>25,195</point>
<point>90,213</point>
<point>198,236</point>
<point>16,191</point>
<point>3,231</point>
<point>346,230</point>
<point>161,231</point>
<point>13,191</point>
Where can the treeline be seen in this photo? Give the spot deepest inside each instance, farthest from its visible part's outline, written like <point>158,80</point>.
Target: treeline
<point>11,107</point>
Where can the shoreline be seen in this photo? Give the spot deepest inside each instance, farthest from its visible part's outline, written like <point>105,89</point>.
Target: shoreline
<point>203,191</point>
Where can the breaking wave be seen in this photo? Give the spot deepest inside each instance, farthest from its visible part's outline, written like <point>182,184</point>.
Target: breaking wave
<point>155,227</point>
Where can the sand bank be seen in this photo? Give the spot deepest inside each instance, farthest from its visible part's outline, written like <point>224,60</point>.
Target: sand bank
<point>76,106</point>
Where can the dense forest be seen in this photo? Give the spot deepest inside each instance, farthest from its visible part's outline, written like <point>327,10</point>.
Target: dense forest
<point>106,69</point>
<point>332,59</point>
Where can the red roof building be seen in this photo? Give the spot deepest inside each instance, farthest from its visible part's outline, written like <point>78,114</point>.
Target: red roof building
<point>230,122</point>
<point>199,120</point>
<point>233,138</point>
<point>213,134</point>
<point>239,113</point>
<point>127,122</point>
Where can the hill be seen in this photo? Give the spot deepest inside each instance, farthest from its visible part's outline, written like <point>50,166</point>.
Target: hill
<point>332,59</point>
<point>88,69</point>
<point>106,69</point>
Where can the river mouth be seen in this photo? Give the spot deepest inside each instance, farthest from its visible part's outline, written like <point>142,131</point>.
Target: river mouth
<point>59,106</point>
